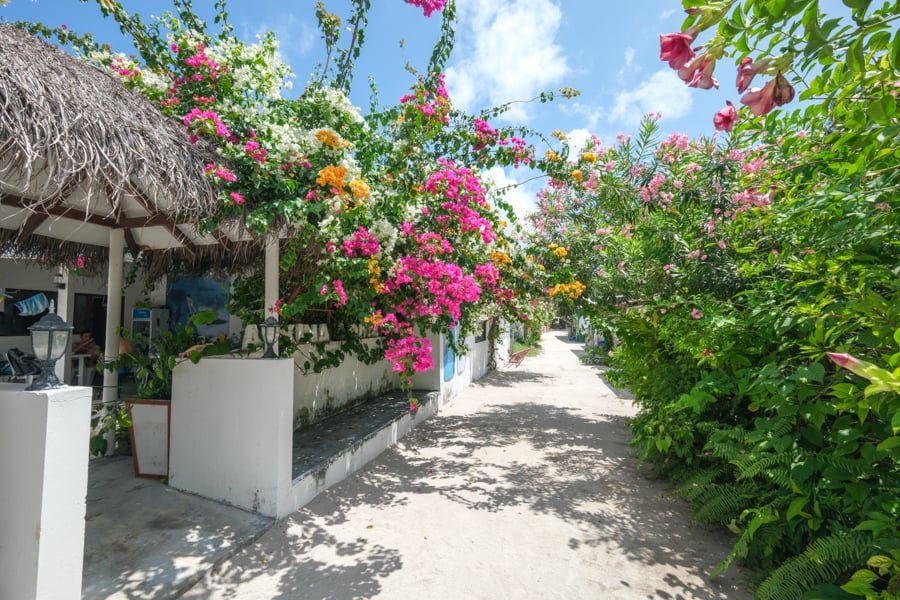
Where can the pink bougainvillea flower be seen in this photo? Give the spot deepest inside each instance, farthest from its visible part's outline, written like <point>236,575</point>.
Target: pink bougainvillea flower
<point>675,49</point>
<point>361,243</point>
<point>696,314</point>
<point>339,290</point>
<point>428,6</point>
<point>747,70</point>
<point>80,261</point>
<point>725,119</point>
<point>238,199</point>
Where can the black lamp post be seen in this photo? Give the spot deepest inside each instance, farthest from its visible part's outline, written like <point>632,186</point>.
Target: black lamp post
<point>50,340</point>
<point>270,328</point>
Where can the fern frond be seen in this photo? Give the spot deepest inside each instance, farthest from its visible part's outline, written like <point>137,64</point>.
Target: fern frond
<point>695,485</point>
<point>720,503</point>
<point>753,465</point>
<point>824,561</point>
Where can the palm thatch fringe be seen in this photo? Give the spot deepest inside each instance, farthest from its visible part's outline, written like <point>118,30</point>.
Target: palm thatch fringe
<point>62,120</point>
<point>240,257</point>
<point>51,251</point>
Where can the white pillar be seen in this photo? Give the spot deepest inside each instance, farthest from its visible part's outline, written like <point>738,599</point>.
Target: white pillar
<point>44,469</point>
<point>272,259</point>
<point>113,322</point>
<point>65,305</point>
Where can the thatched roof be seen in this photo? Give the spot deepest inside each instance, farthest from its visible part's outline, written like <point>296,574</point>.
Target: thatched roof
<point>80,154</point>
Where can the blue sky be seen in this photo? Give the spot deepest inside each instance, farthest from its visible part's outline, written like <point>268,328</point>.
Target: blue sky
<point>506,50</point>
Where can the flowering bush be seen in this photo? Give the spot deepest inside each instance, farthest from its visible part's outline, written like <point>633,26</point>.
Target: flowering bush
<point>729,267</point>
<point>387,221</point>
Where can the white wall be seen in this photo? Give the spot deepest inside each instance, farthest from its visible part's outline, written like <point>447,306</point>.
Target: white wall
<point>232,435</point>
<point>44,440</point>
<point>504,343</point>
<point>478,356</point>
<point>430,380</point>
<point>317,395</point>
<point>475,368</point>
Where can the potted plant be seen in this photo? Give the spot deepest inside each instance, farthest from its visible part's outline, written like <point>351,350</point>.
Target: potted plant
<point>152,363</point>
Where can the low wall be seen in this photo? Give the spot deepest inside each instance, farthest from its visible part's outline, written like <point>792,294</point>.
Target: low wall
<point>233,422</point>
<point>232,434</point>
<point>318,395</point>
<point>44,440</point>
<point>504,343</point>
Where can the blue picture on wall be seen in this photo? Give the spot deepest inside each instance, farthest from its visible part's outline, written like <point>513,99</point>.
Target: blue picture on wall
<point>188,295</point>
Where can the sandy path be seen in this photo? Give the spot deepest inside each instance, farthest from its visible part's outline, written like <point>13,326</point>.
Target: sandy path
<point>523,487</point>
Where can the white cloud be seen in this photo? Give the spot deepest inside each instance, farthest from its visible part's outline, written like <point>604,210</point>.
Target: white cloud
<point>577,139</point>
<point>520,197</point>
<point>667,13</point>
<point>629,63</point>
<point>296,36</point>
<point>508,52</point>
<point>591,113</point>
<point>662,92</point>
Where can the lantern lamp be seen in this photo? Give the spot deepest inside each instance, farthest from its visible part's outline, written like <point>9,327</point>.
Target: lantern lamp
<point>270,328</point>
<point>49,340</point>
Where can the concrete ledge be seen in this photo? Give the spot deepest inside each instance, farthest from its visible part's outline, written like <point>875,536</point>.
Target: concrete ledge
<point>327,453</point>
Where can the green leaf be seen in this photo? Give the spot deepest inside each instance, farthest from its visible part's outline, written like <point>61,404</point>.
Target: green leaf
<point>890,443</point>
<point>857,588</point>
<point>895,50</point>
<point>856,60</point>
<point>796,507</point>
<point>880,562</point>
<point>776,7</point>
<point>865,576</point>
<point>871,525</point>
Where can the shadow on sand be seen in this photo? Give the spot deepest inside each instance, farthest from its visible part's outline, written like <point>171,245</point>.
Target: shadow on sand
<point>583,473</point>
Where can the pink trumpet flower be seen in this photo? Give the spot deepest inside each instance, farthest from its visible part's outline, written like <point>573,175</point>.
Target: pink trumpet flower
<point>776,92</point>
<point>675,48</point>
<point>747,70</point>
<point>725,119</point>
<point>699,73</point>
<point>851,363</point>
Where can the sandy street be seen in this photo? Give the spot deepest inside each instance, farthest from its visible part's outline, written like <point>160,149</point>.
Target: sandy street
<point>523,487</point>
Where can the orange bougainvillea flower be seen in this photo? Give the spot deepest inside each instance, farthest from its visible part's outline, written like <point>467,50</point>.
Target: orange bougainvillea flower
<point>329,138</point>
<point>500,258</point>
<point>332,176</point>
<point>360,189</point>
<point>572,290</point>
<point>577,176</point>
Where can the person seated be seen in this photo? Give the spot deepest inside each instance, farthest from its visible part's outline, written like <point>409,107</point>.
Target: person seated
<point>125,346</point>
<point>86,344</point>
